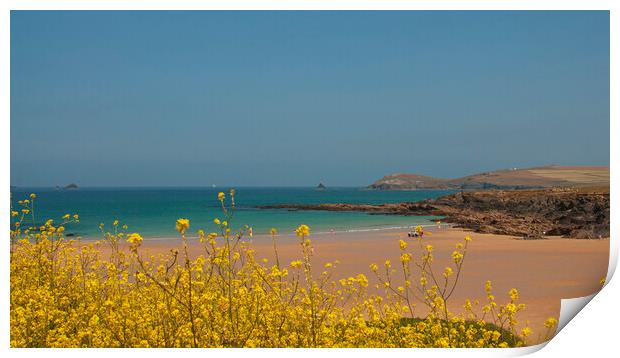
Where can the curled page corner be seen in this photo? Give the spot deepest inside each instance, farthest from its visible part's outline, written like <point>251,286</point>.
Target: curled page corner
<point>569,308</point>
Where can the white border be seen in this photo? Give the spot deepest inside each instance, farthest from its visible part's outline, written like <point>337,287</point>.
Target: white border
<point>593,330</point>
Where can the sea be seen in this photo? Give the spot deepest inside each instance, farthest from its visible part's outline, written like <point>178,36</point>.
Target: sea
<point>152,212</point>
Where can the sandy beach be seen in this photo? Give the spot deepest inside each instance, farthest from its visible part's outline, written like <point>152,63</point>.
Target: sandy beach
<point>543,271</point>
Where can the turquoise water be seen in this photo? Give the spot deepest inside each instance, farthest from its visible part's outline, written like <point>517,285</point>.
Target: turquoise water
<point>153,211</point>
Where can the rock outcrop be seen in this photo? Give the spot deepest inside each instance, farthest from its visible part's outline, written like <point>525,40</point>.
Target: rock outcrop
<point>570,212</point>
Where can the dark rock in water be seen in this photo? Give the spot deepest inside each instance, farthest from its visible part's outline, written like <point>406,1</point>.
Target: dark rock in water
<point>321,187</point>
<point>71,186</point>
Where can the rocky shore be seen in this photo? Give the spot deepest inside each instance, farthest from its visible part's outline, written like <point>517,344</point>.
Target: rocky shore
<point>581,213</point>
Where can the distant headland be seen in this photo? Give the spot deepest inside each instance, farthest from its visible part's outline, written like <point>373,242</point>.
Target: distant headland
<point>528,178</point>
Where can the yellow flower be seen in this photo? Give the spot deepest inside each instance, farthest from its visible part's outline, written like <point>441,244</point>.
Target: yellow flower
<point>66,217</point>
<point>526,331</point>
<point>134,238</point>
<point>76,217</point>
<point>25,211</point>
<point>296,264</point>
<point>216,221</point>
<point>302,231</point>
<point>423,281</point>
<point>467,238</point>
<point>115,223</point>
<point>514,294</point>
<point>374,267</point>
<point>456,257</point>
<point>221,196</point>
<point>403,245</point>
<point>447,272</point>
<point>33,196</point>
<point>14,213</point>
<point>551,322</point>
<point>274,231</point>
<point>182,225</point>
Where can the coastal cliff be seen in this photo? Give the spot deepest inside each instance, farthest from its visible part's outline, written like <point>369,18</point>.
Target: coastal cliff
<point>570,212</point>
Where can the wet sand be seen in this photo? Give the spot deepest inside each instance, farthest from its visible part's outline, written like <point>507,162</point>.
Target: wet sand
<point>543,271</point>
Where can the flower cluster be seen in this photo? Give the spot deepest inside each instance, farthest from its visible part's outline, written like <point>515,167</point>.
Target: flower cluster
<point>108,293</point>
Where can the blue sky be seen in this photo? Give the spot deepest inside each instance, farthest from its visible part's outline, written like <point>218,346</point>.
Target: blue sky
<point>295,98</point>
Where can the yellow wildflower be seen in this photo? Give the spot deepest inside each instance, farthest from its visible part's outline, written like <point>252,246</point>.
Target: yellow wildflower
<point>182,225</point>
<point>526,331</point>
<point>134,238</point>
<point>303,230</point>
<point>551,322</point>
<point>456,257</point>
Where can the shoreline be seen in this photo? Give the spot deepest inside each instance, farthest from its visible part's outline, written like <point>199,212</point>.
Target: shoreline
<point>150,238</point>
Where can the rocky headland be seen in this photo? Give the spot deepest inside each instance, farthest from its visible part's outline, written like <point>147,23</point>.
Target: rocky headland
<point>581,213</point>
<point>514,178</point>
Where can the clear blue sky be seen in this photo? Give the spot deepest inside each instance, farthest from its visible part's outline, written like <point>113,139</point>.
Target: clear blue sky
<point>294,98</point>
